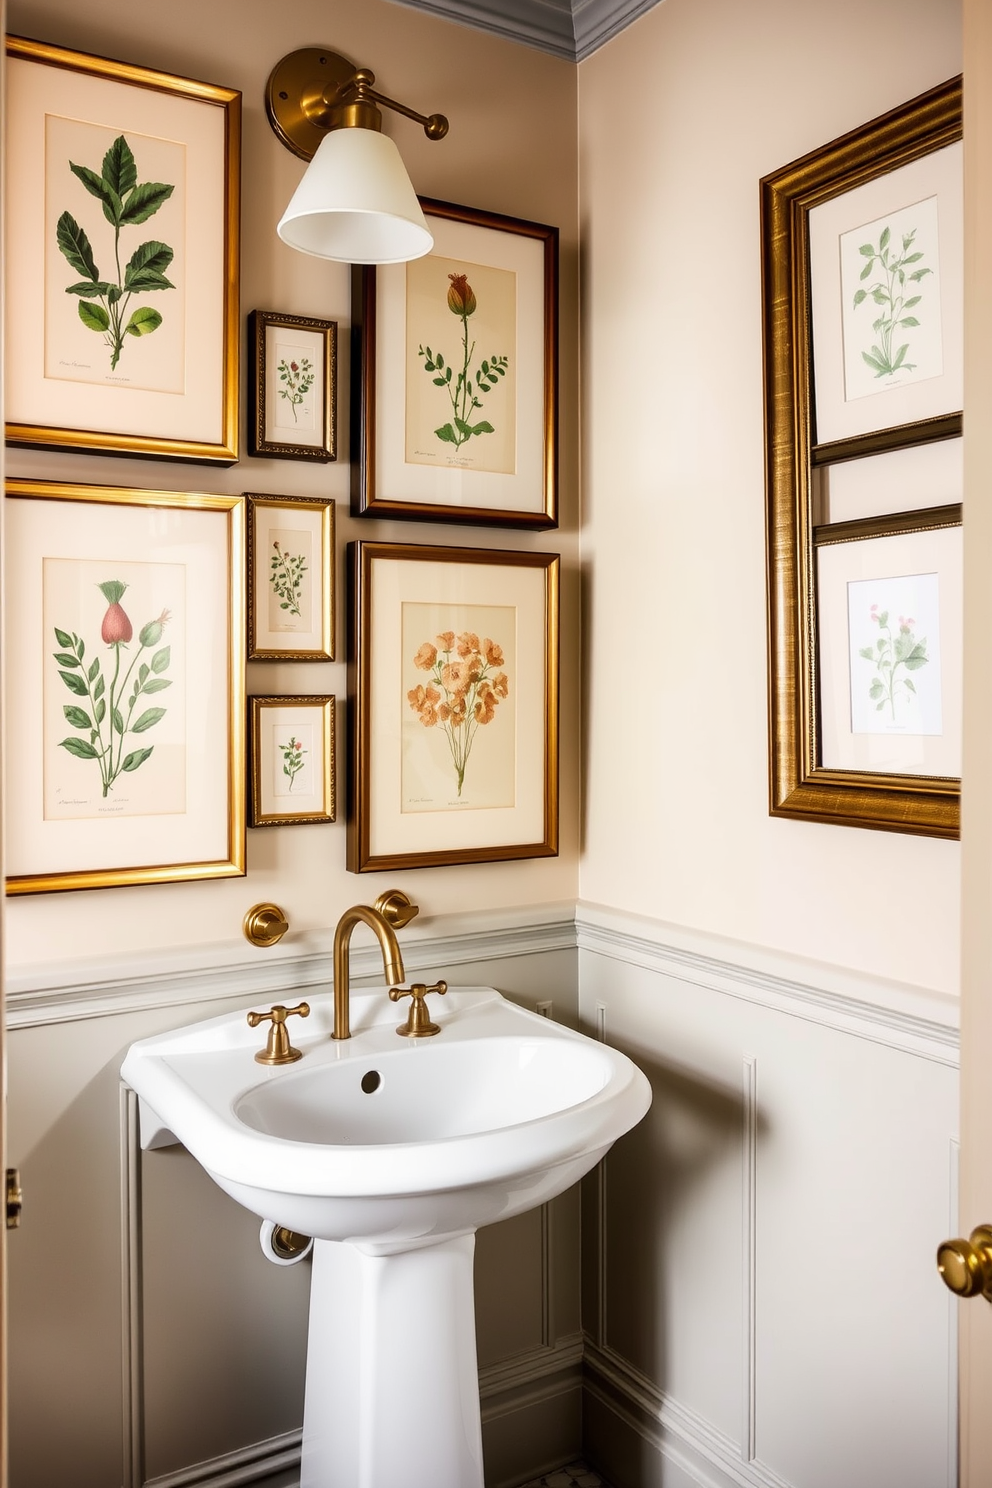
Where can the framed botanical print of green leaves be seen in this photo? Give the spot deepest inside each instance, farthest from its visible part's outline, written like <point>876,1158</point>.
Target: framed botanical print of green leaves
<point>122,318</point>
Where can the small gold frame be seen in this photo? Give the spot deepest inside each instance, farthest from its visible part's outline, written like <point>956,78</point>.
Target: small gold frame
<point>321,801</point>
<point>318,511</point>
<point>107,440</point>
<point>324,448</point>
<point>799,785</point>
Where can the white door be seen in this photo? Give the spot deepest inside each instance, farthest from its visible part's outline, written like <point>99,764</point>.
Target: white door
<point>976,1009</point>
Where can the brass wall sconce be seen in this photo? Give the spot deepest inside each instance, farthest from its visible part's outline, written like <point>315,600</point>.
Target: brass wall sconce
<point>355,203</point>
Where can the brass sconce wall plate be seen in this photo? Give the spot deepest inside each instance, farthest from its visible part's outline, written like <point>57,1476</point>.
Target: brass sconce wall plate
<point>294,87</point>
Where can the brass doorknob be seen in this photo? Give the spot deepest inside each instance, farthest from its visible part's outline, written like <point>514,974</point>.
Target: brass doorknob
<point>966,1265</point>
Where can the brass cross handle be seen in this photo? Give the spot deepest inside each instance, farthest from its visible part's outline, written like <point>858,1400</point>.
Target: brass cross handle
<point>278,1050</point>
<point>966,1265</point>
<point>418,1025</point>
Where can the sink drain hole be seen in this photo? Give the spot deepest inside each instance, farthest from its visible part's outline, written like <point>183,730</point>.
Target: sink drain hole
<point>371,1081</point>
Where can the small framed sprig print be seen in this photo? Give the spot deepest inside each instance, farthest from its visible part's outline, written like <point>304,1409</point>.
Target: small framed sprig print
<point>292,389</point>
<point>290,578</point>
<point>291,761</point>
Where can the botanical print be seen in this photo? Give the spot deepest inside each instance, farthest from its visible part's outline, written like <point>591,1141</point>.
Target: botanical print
<point>459,706</point>
<point>117,744</point>
<point>461,365</point>
<point>294,392</point>
<point>292,760</point>
<point>296,380</point>
<point>290,579</point>
<point>127,202</point>
<point>889,271</point>
<point>894,627</point>
<point>110,286</point>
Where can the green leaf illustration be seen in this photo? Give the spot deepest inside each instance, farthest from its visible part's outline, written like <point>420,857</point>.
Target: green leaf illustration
<point>118,721</point>
<point>75,246</point>
<point>94,317</point>
<point>119,170</point>
<point>156,684</point>
<point>447,433</point>
<point>144,201</point>
<point>161,659</point>
<point>145,320</point>
<point>63,637</point>
<point>74,683</point>
<point>66,658</point>
<point>147,720</point>
<point>90,290</point>
<point>136,758</point>
<point>101,189</point>
<point>77,717</point>
<point>79,748</point>
<point>153,256</point>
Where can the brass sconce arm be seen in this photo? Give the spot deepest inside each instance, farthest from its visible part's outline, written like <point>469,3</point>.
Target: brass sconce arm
<point>314,90</point>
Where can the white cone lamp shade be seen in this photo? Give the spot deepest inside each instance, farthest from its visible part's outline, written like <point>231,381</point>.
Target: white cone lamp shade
<point>356,203</point>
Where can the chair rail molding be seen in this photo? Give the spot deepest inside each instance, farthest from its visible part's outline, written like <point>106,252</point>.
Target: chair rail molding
<point>914,1020</point>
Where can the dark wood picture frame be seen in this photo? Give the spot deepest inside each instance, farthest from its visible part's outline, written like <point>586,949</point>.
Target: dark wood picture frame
<point>389,825</point>
<point>373,487</point>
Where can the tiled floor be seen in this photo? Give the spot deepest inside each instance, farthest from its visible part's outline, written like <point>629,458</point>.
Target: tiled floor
<point>575,1475</point>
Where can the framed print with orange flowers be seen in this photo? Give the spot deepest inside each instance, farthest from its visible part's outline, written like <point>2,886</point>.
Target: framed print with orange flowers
<point>453,706</point>
<point>125,630</point>
<point>455,403</point>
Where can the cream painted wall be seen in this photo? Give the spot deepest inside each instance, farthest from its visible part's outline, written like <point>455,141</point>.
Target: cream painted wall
<point>507,104</point>
<point>679,118</point>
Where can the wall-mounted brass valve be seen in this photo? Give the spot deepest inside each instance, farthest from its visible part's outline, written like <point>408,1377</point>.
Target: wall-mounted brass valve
<point>278,1050</point>
<point>418,1025</point>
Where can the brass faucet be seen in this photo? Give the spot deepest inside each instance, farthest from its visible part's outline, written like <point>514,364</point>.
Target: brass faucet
<point>390,913</point>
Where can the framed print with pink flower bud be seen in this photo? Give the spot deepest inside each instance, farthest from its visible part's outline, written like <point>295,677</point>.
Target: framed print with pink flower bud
<point>125,630</point>
<point>453,688</point>
<point>290,578</point>
<point>291,761</point>
<point>455,401</point>
<point>292,387</point>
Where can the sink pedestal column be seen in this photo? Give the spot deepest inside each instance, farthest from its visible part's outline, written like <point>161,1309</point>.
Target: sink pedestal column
<point>392,1396</point>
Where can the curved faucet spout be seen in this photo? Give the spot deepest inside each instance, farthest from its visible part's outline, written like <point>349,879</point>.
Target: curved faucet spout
<point>392,959</point>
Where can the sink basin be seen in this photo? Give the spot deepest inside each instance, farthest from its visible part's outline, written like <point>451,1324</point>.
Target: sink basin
<point>497,1113</point>
<point>391,1153</point>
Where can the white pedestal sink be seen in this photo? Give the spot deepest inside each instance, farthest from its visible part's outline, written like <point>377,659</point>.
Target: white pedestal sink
<point>391,1153</point>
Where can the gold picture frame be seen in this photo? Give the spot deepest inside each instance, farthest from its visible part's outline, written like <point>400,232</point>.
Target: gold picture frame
<point>307,401</point>
<point>291,600</point>
<point>96,379</point>
<point>292,777</point>
<point>453,706</point>
<point>477,443</point>
<point>908,154</point>
<point>125,649</point>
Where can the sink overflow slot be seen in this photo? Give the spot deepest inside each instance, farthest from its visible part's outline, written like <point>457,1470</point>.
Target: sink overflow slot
<point>371,1081</point>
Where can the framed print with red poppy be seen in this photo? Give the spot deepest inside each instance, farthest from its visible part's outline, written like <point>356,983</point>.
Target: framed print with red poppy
<point>291,761</point>
<point>455,402</point>
<point>126,646</point>
<point>453,706</point>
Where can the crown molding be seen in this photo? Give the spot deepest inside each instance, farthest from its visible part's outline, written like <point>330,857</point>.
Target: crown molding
<point>570,29</point>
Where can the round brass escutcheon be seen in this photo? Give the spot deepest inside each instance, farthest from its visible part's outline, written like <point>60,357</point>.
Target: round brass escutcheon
<point>265,924</point>
<point>288,1243</point>
<point>396,908</point>
<point>295,92</point>
<point>966,1265</point>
